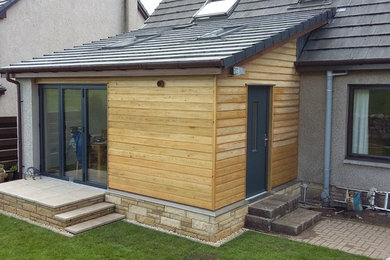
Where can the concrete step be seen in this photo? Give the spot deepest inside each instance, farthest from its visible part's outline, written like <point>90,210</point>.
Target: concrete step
<point>86,213</point>
<point>258,223</point>
<point>94,223</point>
<point>296,221</point>
<point>274,206</point>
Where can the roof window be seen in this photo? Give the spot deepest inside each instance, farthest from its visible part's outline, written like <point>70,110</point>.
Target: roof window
<point>215,8</point>
<point>218,33</point>
<point>314,2</point>
<point>309,3</point>
<point>130,41</point>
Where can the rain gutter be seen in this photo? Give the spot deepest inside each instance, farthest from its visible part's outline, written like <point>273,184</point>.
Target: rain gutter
<point>92,67</point>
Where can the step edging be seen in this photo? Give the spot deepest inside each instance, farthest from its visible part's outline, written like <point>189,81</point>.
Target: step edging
<point>94,223</point>
<point>104,206</point>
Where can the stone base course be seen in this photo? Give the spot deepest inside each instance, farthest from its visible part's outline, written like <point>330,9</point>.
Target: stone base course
<point>40,213</point>
<point>180,221</point>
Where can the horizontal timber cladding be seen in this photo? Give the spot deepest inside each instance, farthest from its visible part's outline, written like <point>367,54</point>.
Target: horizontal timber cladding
<point>161,139</point>
<point>275,68</point>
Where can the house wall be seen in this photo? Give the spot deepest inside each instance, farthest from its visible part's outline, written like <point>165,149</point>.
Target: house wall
<point>35,27</point>
<point>186,142</point>
<point>160,140</point>
<point>276,68</point>
<point>346,173</point>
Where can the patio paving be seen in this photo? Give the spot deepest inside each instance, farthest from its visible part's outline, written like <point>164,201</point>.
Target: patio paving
<point>49,192</point>
<point>349,236</point>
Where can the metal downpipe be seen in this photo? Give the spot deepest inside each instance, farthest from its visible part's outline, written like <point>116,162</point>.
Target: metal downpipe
<point>325,195</point>
<point>19,124</point>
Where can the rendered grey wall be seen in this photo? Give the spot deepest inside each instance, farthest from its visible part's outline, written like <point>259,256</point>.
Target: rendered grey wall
<point>35,27</point>
<point>344,173</point>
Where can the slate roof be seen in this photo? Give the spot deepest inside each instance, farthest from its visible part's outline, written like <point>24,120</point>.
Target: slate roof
<point>176,12</point>
<point>179,47</point>
<point>4,5</point>
<point>359,34</point>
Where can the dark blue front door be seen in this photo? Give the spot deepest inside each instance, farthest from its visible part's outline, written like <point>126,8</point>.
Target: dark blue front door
<point>257,140</point>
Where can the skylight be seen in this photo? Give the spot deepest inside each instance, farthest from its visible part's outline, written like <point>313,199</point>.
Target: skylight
<point>130,41</point>
<point>218,33</point>
<point>215,7</point>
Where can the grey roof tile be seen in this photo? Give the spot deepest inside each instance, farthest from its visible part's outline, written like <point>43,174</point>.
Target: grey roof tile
<point>181,46</point>
<point>361,31</point>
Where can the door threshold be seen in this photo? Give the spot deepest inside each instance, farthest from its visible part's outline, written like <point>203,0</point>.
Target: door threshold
<point>256,197</point>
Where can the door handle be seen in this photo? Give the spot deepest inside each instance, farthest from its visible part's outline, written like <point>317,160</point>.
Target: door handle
<point>265,140</point>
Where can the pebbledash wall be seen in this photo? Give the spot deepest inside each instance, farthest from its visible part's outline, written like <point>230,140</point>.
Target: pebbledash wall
<point>202,224</point>
<point>71,22</point>
<point>344,173</point>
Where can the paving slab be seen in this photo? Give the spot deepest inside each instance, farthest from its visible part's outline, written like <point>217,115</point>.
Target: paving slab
<point>348,236</point>
<point>94,223</point>
<point>50,192</point>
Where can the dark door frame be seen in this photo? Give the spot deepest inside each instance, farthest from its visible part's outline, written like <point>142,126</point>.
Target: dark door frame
<point>84,107</point>
<point>268,137</point>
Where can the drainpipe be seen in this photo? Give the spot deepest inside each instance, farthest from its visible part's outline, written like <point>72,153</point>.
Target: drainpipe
<point>325,195</point>
<point>19,124</point>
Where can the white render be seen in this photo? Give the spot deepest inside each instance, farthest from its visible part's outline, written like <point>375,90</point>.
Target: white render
<point>33,28</point>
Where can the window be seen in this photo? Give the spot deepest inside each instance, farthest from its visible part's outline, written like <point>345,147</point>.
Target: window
<point>369,122</point>
<point>216,7</point>
<point>130,41</point>
<point>216,34</point>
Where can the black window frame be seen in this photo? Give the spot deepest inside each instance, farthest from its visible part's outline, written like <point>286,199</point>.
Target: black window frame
<point>351,92</point>
<point>60,88</point>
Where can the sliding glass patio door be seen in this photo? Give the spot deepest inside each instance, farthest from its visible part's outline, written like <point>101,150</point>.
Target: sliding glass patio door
<point>74,133</point>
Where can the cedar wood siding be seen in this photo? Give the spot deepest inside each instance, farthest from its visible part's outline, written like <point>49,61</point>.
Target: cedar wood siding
<point>161,139</point>
<point>276,68</point>
<point>186,142</point>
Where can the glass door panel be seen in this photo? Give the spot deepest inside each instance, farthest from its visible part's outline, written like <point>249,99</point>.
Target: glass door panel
<point>51,146</point>
<point>97,133</point>
<point>73,134</point>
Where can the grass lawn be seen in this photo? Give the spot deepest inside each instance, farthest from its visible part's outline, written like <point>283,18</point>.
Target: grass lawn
<point>20,240</point>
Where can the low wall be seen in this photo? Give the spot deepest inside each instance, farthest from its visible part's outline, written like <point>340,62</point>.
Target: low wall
<point>204,226</point>
<point>40,213</point>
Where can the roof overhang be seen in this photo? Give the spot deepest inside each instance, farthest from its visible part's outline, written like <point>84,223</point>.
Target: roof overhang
<point>4,8</point>
<point>126,68</point>
<point>364,64</point>
<point>193,66</point>
<point>119,73</point>
<point>141,8</point>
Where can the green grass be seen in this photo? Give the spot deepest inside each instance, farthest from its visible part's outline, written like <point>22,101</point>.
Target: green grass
<point>20,240</point>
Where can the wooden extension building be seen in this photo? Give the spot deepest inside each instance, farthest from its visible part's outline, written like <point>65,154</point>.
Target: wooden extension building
<point>179,122</point>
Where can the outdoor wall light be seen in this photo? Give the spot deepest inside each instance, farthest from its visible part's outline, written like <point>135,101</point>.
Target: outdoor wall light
<point>160,83</point>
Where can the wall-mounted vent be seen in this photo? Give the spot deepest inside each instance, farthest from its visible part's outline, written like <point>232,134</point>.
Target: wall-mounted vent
<point>219,33</point>
<point>130,41</point>
<point>216,8</point>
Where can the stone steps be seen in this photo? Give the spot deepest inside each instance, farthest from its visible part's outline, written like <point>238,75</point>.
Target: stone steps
<point>296,221</point>
<point>274,206</point>
<point>280,213</point>
<point>85,213</point>
<point>94,223</point>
